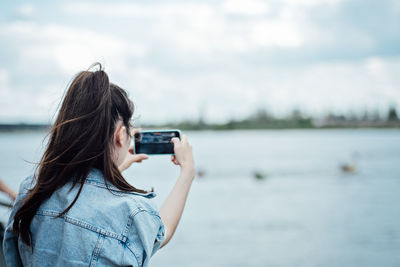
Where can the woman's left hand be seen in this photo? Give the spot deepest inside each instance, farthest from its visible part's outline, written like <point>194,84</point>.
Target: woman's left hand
<point>131,157</point>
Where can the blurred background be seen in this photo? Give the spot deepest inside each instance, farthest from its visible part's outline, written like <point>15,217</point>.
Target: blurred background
<point>292,108</point>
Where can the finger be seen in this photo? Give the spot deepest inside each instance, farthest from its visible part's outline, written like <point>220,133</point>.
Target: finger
<point>176,142</point>
<point>142,156</point>
<point>135,130</point>
<point>138,158</point>
<point>184,138</point>
<point>174,160</point>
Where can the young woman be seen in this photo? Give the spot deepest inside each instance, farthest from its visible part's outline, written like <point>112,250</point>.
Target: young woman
<point>77,209</point>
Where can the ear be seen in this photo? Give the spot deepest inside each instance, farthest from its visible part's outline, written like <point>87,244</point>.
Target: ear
<point>119,135</point>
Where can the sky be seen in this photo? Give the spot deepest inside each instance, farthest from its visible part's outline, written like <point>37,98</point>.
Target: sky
<point>180,60</point>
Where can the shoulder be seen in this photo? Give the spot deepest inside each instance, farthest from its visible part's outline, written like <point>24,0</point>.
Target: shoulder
<point>26,184</point>
<point>134,201</point>
<point>103,205</point>
<point>140,203</point>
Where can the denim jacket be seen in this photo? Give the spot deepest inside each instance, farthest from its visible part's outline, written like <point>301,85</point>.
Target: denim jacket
<point>101,229</point>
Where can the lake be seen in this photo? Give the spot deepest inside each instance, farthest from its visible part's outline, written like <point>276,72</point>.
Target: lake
<point>305,212</point>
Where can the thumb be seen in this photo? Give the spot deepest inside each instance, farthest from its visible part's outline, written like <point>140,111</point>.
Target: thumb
<point>141,156</point>
<point>175,140</point>
<point>137,158</point>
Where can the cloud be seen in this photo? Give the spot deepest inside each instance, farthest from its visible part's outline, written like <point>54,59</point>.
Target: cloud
<point>246,8</point>
<point>302,30</point>
<point>154,10</point>
<point>228,93</point>
<point>26,10</point>
<point>67,48</point>
<point>37,74</point>
<point>201,27</point>
<point>224,58</point>
<point>4,85</point>
<point>19,105</point>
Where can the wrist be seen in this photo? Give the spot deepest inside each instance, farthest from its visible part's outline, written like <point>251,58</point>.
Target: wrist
<point>188,171</point>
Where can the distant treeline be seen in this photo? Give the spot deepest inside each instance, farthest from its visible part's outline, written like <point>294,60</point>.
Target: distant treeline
<point>261,119</point>
<point>9,127</point>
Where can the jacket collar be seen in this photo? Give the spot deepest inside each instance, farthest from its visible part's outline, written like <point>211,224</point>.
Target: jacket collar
<point>96,178</point>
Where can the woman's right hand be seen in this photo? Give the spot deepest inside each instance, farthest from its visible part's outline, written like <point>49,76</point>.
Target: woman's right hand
<point>183,155</point>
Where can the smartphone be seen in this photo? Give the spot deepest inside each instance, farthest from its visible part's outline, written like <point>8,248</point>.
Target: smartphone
<point>155,142</point>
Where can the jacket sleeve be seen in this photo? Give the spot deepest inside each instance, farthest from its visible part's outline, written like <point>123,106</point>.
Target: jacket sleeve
<point>10,240</point>
<point>151,231</point>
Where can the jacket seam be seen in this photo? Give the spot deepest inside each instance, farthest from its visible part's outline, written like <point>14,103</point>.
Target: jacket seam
<point>126,231</point>
<point>112,188</point>
<point>96,251</point>
<point>140,209</point>
<point>133,214</point>
<point>128,246</point>
<point>82,224</point>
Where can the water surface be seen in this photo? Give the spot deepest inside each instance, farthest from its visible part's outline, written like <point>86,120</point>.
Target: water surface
<point>306,212</point>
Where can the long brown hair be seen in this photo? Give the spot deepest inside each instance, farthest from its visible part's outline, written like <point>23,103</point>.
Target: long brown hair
<point>80,139</point>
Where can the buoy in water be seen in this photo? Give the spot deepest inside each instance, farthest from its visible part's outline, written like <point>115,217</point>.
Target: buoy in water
<point>200,173</point>
<point>259,175</point>
<point>348,168</point>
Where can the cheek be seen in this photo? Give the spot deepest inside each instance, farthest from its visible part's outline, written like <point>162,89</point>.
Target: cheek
<point>127,144</point>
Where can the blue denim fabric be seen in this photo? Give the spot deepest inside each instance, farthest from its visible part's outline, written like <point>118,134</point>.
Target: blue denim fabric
<point>101,229</point>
